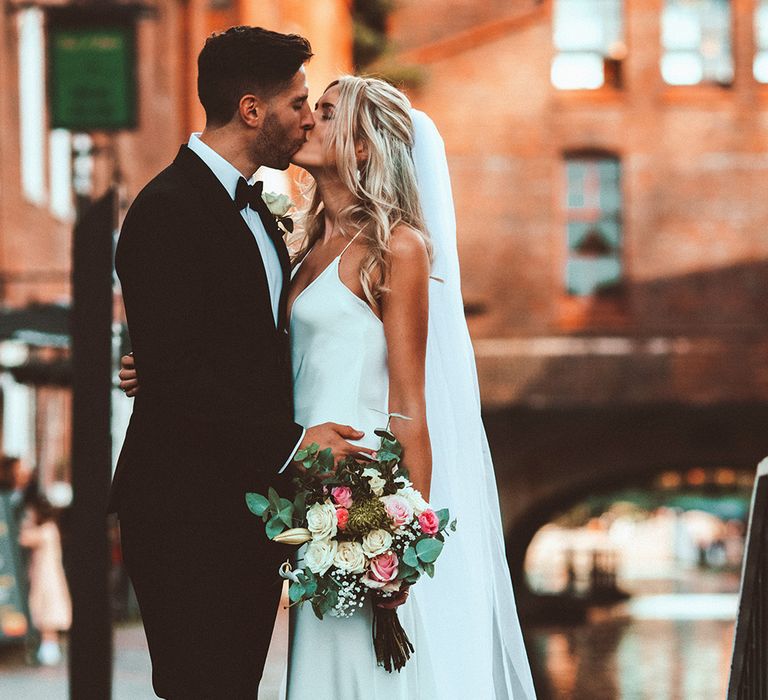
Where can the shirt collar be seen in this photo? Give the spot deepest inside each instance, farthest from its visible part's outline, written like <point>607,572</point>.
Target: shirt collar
<point>227,174</point>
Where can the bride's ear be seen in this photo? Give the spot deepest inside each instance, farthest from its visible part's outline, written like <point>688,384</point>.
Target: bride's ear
<point>361,153</point>
<point>251,110</point>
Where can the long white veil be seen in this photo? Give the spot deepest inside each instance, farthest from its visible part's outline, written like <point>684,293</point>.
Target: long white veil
<point>469,609</point>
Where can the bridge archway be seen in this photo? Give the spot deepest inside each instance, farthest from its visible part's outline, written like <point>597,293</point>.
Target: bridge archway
<point>548,459</point>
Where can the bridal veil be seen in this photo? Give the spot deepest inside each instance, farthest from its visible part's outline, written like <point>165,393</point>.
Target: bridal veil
<point>469,608</point>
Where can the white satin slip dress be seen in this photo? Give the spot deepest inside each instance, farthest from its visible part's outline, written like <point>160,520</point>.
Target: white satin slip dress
<point>339,357</point>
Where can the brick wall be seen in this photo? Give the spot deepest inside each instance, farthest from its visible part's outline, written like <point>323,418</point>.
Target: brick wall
<point>694,163</point>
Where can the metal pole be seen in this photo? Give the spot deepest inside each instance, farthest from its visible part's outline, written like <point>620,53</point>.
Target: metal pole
<point>90,659</point>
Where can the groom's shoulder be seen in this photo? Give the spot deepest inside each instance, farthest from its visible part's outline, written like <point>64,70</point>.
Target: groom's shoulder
<point>162,191</point>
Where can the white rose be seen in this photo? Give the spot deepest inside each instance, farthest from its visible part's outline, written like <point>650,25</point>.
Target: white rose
<point>278,204</point>
<point>375,481</point>
<point>320,555</point>
<point>322,521</point>
<point>415,498</point>
<point>350,557</point>
<point>376,542</point>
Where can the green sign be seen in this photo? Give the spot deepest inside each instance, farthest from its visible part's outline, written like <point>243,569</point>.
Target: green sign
<point>92,77</point>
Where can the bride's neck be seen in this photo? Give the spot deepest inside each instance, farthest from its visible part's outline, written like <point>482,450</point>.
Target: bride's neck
<point>335,197</point>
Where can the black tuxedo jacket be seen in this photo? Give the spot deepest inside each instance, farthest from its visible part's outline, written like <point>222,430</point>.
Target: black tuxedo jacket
<point>213,418</point>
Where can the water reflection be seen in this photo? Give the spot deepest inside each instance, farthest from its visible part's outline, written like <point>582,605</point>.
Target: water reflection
<point>658,587</point>
<point>615,656</point>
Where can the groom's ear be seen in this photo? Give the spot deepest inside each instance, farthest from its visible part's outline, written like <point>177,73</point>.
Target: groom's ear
<point>251,110</point>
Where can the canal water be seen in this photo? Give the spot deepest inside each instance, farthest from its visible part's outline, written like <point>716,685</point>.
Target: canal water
<point>672,640</point>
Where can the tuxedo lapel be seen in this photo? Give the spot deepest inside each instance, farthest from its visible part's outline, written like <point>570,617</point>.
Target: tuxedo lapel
<point>223,215</point>
<point>273,230</point>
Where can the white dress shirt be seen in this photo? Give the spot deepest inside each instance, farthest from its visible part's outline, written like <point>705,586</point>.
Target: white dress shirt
<point>228,175</point>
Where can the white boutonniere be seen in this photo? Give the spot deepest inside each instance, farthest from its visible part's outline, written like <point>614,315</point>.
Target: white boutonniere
<point>279,205</point>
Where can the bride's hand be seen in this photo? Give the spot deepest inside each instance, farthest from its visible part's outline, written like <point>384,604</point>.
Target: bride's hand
<point>129,381</point>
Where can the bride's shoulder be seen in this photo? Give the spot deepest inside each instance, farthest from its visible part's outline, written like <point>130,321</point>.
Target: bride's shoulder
<point>406,244</point>
<point>409,260</point>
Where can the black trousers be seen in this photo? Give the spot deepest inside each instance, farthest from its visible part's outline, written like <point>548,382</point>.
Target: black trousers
<point>208,595</point>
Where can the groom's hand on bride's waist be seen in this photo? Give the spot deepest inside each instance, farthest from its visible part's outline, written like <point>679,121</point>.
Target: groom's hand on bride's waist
<point>336,437</point>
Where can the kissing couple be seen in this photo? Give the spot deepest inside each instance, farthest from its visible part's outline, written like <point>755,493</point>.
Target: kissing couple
<point>244,354</point>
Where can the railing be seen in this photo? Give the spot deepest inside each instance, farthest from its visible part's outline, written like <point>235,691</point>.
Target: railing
<point>749,665</point>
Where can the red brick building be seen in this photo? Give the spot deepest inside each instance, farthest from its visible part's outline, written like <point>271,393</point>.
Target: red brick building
<point>36,194</point>
<point>609,161</point>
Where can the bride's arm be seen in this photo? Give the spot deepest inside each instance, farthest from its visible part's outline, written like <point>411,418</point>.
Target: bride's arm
<point>404,312</point>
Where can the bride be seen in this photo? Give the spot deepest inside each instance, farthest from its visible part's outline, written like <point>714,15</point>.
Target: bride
<point>377,327</point>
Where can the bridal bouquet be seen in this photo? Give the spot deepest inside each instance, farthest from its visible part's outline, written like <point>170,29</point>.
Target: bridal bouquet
<point>368,533</point>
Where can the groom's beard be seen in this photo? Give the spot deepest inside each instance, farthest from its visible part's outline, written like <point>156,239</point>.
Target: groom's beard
<point>274,147</point>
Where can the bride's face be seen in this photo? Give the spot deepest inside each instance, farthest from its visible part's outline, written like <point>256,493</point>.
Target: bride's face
<point>314,155</point>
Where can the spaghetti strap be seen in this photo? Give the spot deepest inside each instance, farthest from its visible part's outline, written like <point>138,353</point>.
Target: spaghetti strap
<point>351,241</point>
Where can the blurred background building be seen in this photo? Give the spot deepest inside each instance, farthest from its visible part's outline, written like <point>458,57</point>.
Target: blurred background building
<point>609,160</point>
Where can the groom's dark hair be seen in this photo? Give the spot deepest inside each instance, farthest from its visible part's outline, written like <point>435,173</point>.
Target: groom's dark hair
<point>246,60</point>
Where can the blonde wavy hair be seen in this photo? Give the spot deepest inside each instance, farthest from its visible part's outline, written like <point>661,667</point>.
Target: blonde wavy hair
<point>371,112</point>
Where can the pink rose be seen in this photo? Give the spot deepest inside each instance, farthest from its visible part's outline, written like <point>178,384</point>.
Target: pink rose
<point>391,587</point>
<point>342,495</point>
<point>429,522</point>
<point>342,516</point>
<point>384,567</point>
<point>398,510</point>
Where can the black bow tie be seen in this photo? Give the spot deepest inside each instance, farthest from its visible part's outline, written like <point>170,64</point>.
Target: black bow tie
<point>250,196</point>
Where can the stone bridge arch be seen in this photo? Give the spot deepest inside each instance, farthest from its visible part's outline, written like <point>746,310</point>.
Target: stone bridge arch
<point>548,460</point>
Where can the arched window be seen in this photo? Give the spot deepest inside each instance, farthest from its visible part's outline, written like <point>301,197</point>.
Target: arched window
<point>593,223</point>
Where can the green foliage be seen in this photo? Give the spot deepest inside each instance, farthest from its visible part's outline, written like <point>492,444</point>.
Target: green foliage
<point>443,515</point>
<point>256,503</point>
<point>276,512</point>
<point>428,549</point>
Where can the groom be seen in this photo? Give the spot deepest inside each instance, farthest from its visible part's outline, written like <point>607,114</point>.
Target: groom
<point>204,273</point>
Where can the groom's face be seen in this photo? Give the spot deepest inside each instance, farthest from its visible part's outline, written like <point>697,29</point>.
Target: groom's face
<point>287,120</point>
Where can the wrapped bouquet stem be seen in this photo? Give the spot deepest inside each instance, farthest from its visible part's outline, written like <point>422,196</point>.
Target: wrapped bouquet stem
<point>369,536</point>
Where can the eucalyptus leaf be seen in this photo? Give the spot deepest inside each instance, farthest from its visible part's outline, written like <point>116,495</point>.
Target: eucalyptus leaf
<point>410,557</point>
<point>313,448</point>
<point>428,550</point>
<point>286,514</point>
<point>443,516</point>
<point>453,525</point>
<point>300,456</point>
<point>325,458</point>
<point>275,526</point>
<point>384,434</point>
<point>274,500</point>
<point>310,587</point>
<point>256,503</point>
<point>296,591</point>
<point>429,570</point>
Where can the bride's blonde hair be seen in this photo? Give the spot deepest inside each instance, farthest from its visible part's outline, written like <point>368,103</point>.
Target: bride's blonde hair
<point>370,112</point>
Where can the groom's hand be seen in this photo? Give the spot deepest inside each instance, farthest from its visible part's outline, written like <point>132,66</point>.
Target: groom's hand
<point>335,436</point>
<point>129,382</point>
